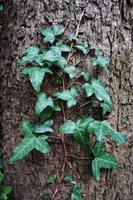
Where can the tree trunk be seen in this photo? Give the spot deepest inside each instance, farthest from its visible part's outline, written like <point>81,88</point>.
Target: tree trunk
<point>110,24</point>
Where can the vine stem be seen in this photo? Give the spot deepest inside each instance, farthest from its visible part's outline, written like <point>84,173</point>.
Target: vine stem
<point>64,115</point>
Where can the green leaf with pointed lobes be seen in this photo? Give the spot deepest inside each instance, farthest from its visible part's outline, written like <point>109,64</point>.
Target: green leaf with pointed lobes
<point>105,161</point>
<point>68,95</point>
<point>97,88</point>
<point>36,76</point>
<point>104,129</point>
<point>43,102</point>
<point>45,127</point>
<point>71,71</point>
<point>31,55</point>
<point>102,61</point>
<point>51,33</point>
<point>83,47</point>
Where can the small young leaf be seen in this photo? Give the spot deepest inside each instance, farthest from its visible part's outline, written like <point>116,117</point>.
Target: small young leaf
<point>69,127</point>
<point>43,102</point>
<point>55,57</point>
<point>31,55</point>
<point>102,61</point>
<point>103,161</point>
<point>97,88</point>
<point>102,129</point>
<point>36,75</point>
<point>71,71</point>
<point>58,30</point>
<point>72,37</point>
<point>77,193</point>
<point>69,96</point>
<point>62,47</point>
<point>51,180</point>
<point>68,178</point>
<point>83,47</point>
<point>49,35</point>
<point>45,127</point>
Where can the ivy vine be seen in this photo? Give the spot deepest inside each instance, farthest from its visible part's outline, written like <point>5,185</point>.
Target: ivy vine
<point>53,61</point>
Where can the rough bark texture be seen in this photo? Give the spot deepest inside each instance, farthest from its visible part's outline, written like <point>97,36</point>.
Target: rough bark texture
<point>110,23</point>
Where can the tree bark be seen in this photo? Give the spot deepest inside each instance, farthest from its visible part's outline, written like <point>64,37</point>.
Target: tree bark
<point>110,24</point>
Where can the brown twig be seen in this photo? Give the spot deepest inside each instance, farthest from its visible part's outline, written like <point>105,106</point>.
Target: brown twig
<point>80,158</point>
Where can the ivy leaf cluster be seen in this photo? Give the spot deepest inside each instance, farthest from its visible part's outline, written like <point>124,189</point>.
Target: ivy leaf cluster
<point>51,61</point>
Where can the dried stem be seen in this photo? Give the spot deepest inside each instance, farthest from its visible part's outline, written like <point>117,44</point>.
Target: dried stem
<point>80,158</point>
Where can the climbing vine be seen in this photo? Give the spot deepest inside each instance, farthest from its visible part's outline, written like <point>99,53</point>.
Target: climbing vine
<point>55,60</point>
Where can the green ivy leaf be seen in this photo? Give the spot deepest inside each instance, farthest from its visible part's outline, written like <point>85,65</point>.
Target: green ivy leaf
<point>71,71</point>
<point>31,55</point>
<point>55,57</point>
<point>69,96</point>
<point>72,37</point>
<point>36,75</point>
<point>51,180</point>
<point>50,33</point>
<point>77,193</point>
<point>45,127</point>
<point>62,47</point>
<point>97,87</point>
<point>27,145</point>
<point>102,61</point>
<point>83,47</point>
<point>43,102</point>
<point>102,129</point>
<point>69,127</point>
<point>58,30</point>
<point>79,131</point>
<point>68,178</point>
<point>6,190</point>
<point>103,161</point>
